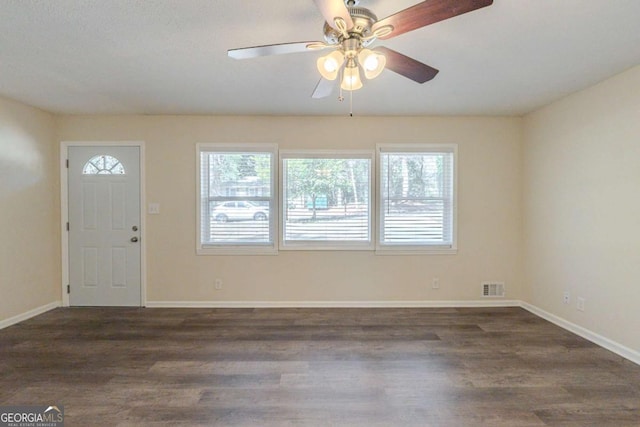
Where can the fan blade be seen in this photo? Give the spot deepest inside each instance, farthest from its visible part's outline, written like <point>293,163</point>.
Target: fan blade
<point>275,49</point>
<point>407,67</point>
<point>323,88</point>
<point>332,9</point>
<point>426,13</point>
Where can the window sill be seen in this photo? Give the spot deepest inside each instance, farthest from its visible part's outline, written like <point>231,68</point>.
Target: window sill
<point>415,251</point>
<point>328,247</point>
<point>235,250</point>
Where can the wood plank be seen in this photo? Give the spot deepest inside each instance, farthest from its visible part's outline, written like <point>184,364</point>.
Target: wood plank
<point>400,366</point>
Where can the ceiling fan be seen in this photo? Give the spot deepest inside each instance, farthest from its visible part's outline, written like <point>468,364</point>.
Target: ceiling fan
<point>349,30</point>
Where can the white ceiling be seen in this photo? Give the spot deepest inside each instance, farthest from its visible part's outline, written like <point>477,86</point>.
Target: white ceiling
<point>169,56</point>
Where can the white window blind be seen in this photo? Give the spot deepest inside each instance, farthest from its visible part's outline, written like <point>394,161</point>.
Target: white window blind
<point>237,210</point>
<point>417,200</point>
<point>326,200</point>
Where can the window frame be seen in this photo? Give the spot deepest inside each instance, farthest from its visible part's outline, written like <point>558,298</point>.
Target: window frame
<point>333,245</point>
<point>416,249</point>
<point>249,248</point>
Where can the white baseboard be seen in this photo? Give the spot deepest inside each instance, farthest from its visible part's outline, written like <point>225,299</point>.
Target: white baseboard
<point>604,342</point>
<point>29,314</point>
<point>333,304</point>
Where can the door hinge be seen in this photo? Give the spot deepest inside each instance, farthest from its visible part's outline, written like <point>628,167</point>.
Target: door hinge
<point>67,226</point>
<point>67,163</point>
<point>68,289</point>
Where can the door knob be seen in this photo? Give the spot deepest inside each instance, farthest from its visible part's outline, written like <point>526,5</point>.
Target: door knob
<point>134,228</point>
<point>134,239</point>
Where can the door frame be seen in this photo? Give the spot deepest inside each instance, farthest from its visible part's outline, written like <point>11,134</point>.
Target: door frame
<point>64,212</point>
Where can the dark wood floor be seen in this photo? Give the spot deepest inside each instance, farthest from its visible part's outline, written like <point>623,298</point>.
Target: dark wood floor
<point>351,367</point>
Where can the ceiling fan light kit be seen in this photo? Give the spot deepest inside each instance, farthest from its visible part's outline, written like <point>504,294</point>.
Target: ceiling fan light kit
<point>350,44</point>
<point>350,29</point>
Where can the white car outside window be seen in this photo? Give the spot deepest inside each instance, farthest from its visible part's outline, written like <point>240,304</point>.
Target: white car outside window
<point>239,211</point>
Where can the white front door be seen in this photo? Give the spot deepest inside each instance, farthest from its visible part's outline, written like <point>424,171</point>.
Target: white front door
<point>104,226</point>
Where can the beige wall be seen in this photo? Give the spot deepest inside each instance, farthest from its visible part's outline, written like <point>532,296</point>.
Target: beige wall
<point>489,215</point>
<point>546,203</point>
<point>582,206</point>
<point>29,219</point>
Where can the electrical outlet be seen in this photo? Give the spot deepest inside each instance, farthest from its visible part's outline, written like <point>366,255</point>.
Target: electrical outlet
<point>218,284</point>
<point>580,303</point>
<point>566,298</point>
<point>435,283</point>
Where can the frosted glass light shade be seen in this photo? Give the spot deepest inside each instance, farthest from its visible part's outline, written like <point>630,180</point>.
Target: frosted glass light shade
<point>351,79</point>
<point>329,65</point>
<point>372,63</point>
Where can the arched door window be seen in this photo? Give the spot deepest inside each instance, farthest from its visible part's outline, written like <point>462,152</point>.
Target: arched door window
<point>103,164</point>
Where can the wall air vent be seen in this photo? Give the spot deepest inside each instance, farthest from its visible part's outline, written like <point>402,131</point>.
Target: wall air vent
<point>493,289</point>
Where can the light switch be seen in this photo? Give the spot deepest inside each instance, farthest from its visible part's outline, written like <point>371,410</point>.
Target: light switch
<point>154,208</point>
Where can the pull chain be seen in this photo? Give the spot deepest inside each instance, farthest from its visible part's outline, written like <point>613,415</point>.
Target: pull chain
<point>340,96</point>
<point>350,103</point>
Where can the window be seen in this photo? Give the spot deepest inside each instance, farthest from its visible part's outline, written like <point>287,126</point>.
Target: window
<point>237,209</point>
<point>417,197</point>
<point>103,165</point>
<point>326,201</point>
